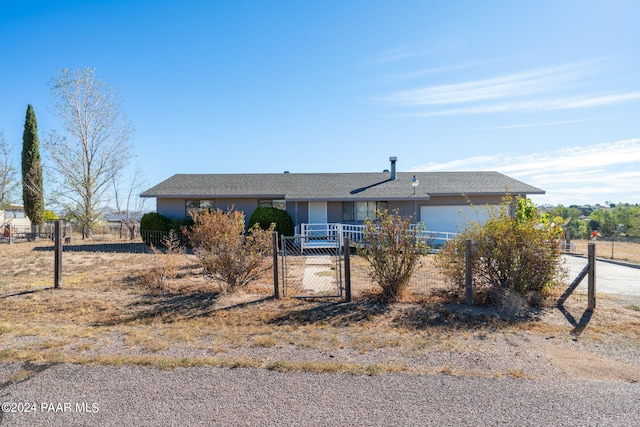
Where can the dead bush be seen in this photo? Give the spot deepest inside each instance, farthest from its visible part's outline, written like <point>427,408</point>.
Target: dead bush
<point>164,265</point>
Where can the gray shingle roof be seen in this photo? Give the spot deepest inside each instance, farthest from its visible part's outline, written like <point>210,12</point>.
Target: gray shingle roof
<point>338,186</point>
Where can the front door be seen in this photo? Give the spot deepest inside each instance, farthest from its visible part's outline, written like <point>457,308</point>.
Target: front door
<point>317,212</point>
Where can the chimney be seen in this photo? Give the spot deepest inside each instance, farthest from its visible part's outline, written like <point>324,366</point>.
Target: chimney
<point>393,167</point>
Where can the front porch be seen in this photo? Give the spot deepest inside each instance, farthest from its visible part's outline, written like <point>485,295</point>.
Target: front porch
<point>331,235</point>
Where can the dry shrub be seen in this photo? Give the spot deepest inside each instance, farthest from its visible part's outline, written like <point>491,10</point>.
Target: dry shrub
<point>517,252</point>
<point>225,252</point>
<point>164,265</point>
<point>393,249</point>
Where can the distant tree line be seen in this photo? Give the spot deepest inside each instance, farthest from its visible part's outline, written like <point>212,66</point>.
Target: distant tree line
<point>611,221</point>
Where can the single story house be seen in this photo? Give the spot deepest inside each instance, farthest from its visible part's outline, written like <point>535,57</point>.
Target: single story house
<point>443,201</point>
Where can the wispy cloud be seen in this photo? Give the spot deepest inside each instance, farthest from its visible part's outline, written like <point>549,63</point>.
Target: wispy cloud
<point>400,53</point>
<point>572,175</point>
<point>534,105</point>
<point>511,85</point>
<point>395,54</point>
<point>529,125</point>
<point>428,71</point>
<point>541,89</point>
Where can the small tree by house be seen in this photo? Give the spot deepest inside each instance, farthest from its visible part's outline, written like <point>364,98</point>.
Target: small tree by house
<point>264,216</point>
<point>128,204</point>
<point>393,249</point>
<point>225,251</point>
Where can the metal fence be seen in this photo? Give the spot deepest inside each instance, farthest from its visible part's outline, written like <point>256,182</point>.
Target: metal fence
<point>11,233</point>
<point>427,280</point>
<point>311,266</point>
<point>621,248</point>
<point>314,271</point>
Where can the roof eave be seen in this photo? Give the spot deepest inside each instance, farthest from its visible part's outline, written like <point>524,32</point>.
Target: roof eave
<point>213,196</point>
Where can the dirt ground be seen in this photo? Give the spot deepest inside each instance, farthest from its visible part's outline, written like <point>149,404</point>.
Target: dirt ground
<point>104,314</point>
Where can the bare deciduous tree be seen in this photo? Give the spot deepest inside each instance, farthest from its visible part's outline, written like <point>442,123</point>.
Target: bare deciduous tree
<point>129,205</point>
<point>9,184</point>
<point>95,146</point>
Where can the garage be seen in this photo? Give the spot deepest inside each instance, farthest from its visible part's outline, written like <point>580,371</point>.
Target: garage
<point>453,219</point>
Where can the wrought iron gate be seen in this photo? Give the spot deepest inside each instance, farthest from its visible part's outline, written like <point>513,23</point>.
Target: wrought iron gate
<point>311,266</point>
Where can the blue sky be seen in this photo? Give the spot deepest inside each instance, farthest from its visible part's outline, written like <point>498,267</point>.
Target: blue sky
<point>547,92</point>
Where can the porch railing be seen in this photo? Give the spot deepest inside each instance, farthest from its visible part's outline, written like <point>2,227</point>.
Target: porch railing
<point>332,234</point>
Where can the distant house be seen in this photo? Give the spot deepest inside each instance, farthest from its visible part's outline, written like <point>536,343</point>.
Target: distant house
<point>14,216</point>
<point>441,200</point>
<point>13,222</point>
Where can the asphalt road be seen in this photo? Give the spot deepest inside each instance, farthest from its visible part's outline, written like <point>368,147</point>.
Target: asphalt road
<point>611,277</point>
<point>68,395</point>
<point>617,279</point>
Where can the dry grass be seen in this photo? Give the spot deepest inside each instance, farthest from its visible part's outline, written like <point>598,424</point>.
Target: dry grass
<point>425,284</point>
<point>624,251</point>
<point>102,315</point>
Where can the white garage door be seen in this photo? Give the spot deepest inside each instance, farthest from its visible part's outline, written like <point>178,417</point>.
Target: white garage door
<point>453,219</point>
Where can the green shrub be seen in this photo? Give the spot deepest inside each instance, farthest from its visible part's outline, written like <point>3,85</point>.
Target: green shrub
<point>153,221</point>
<point>519,253</point>
<point>265,216</point>
<point>152,226</point>
<point>178,225</point>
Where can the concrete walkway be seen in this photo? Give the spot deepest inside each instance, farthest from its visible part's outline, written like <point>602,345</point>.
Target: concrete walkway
<point>319,274</point>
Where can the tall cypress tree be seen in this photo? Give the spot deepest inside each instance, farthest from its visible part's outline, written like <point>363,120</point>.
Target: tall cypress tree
<point>32,188</point>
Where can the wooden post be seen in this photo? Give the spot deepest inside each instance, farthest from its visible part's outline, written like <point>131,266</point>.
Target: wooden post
<point>468,272</point>
<point>276,285</point>
<point>347,270</point>
<point>57,262</point>
<point>591,281</point>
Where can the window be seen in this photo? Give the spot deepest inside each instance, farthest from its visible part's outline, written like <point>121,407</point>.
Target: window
<point>198,205</point>
<point>268,203</point>
<point>359,211</point>
<point>15,213</point>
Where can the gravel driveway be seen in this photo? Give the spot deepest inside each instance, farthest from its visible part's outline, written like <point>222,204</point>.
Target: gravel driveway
<point>67,395</point>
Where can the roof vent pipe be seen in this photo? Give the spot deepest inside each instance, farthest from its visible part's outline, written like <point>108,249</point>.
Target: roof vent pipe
<point>393,167</point>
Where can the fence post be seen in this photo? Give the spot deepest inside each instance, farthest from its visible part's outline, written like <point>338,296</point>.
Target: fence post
<point>347,270</point>
<point>276,285</point>
<point>468,272</point>
<point>591,281</point>
<point>57,261</point>
<point>567,240</point>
